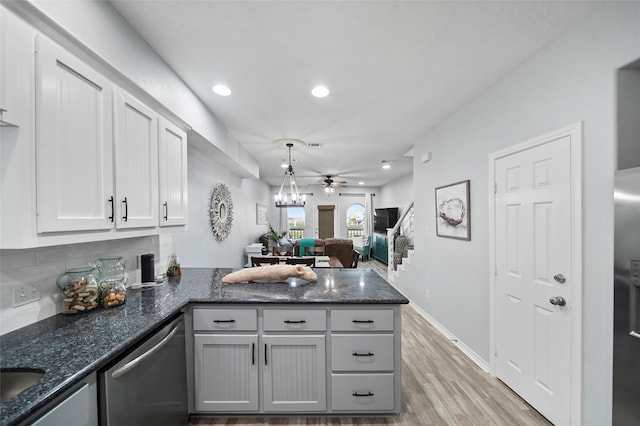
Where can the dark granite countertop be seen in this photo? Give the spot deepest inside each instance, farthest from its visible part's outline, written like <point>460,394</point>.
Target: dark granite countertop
<point>70,347</point>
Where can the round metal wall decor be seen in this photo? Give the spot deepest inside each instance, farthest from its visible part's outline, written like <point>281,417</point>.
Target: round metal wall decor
<point>220,212</point>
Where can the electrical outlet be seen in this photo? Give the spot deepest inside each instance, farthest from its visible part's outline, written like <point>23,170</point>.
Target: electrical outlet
<point>23,294</point>
<point>635,272</point>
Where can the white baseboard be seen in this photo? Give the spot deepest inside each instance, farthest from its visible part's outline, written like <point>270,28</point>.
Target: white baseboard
<point>447,334</point>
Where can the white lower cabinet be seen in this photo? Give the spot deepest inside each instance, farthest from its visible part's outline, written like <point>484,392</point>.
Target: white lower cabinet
<point>77,407</point>
<point>294,373</point>
<point>365,360</point>
<point>362,392</point>
<point>226,372</point>
<point>284,359</point>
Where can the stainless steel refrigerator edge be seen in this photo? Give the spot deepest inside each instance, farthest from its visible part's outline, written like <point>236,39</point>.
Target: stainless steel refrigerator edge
<point>626,329</point>
<point>148,386</point>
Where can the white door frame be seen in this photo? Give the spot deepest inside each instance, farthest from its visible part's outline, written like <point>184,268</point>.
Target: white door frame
<point>574,132</point>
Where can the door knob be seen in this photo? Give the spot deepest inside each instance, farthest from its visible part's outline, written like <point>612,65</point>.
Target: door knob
<point>559,278</point>
<point>558,300</point>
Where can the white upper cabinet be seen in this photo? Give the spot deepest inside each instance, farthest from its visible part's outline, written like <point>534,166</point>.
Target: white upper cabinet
<point>73,143</point>
<point>136,163</point>
<point>79,157</point>
<point>173,174</point>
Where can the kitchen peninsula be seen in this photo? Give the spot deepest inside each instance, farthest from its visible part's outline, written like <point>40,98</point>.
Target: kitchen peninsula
<point>351,317</point>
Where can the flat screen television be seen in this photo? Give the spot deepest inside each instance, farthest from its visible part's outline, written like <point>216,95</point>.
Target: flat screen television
<point>385,218</point>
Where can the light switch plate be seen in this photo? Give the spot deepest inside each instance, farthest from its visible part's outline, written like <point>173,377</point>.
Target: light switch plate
<point>24,293</point>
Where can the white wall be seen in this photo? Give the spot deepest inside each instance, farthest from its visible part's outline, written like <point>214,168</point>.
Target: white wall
<point>397,193</point>
<point>197,247</point>
<point>571,80</point>
<point>39,268</point>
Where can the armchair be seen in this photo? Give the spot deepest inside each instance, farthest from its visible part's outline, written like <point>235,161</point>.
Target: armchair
<point>362,245</point>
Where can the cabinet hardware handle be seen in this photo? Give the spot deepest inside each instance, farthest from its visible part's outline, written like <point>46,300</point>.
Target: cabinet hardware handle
<point>132,364</point>
<point>253,354</point>
<point>166,210</point>
<point>112,208</point>
<point>229,320</point>
<point>265,354</point>
<point>359,354</point>
<point>126,209</point>
<point>363,394</point>
<point>294,322</point>
<point>363,321</point>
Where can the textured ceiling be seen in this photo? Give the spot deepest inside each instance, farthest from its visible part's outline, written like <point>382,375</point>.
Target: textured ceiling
<point>395,69</point>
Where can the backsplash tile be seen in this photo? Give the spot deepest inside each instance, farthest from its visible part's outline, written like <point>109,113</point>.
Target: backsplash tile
<point>40,267</point>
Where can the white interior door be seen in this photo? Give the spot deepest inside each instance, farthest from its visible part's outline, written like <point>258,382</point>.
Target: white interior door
<point>533,297</point>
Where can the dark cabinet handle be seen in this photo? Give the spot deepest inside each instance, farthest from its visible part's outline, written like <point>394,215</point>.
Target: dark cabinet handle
<point>253,354</point>
<point>363,321</point>
<point>294,322</point>
<point>166,210</point>
<point>265,354</point>
<point>126,209</point>
<point>112,208</point>
<point>226,321</point>
<point>359,354</point>
<point>362,394</point>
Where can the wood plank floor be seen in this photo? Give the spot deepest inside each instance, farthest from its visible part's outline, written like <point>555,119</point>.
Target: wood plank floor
<point>440,386</point>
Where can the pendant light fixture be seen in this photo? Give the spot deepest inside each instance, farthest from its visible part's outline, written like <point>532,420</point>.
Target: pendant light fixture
<point>281,199</point>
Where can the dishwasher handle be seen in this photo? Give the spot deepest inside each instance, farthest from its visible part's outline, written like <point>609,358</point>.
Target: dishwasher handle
<point>134,363</point>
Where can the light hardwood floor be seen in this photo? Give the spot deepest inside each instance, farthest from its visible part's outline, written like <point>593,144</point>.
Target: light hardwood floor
<point>440,386</point>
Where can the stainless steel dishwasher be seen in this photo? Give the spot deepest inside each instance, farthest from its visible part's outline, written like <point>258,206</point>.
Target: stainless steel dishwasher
<point>148,386</point>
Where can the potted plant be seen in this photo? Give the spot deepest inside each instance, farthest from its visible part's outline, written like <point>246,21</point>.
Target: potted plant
<point>274,238</point>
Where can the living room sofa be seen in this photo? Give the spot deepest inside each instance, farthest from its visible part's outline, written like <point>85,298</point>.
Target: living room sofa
<point>342,248</point>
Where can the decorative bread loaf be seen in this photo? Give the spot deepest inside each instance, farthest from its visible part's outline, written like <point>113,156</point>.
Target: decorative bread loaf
<point>270,272</point>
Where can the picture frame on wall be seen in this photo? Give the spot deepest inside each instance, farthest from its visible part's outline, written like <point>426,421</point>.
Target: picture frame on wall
<point>453,211</point>
<point>261,214</point>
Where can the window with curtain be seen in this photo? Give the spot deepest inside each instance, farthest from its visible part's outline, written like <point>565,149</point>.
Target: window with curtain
<point>355,220</point>
<point>296,222</point>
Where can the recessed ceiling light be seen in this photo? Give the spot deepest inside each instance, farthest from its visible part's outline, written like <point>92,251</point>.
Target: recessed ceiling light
<point>320,91</point>
<point>360,183</point>
<point>284,165</point>
<point>385,164</point>
<point>221,89</point>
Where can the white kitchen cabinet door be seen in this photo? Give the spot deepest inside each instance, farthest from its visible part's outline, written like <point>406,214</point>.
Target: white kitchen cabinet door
<point>226,372</point>
<point>74,179</point>
<point>294,370</point>
<point>136,163</point>
<point>172,174</point>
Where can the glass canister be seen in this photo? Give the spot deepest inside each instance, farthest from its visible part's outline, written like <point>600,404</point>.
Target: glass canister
<point>80,289</point>
<point>113,292</point>
<point>111,267</point>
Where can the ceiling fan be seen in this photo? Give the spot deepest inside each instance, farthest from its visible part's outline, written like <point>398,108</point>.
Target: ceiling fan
<point>330,184</point>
